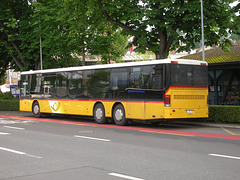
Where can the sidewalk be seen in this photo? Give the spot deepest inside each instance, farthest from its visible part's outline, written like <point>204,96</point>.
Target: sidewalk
<point>237,126</point>
<point>16,113</point>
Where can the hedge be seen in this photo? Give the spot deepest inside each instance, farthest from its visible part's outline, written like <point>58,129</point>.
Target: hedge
<point>9,105</point>
<point>224,114</point>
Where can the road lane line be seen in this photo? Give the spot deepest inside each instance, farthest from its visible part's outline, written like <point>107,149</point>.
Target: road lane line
<point>124,176</point>
<point>92,138</point>
<point>11,127</point>
<point>228,131</point>
<point>19,152</point>
<point>3,133</point>
<point>165,133</point>
<point>225,156</point>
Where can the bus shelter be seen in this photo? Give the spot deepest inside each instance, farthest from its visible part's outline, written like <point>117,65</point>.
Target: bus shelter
<point>223,74</point>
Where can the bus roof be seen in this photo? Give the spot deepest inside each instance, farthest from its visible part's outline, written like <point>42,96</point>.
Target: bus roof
<point>117,65</point>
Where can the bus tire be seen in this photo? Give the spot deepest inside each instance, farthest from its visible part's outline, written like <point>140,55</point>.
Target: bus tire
<point>99,114</point>
<point>36,110</point>
<point>119,115</point>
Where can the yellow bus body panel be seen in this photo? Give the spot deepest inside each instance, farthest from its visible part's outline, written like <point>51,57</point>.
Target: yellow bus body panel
<point>187,102</point>
<point>154,110</point>
<point>25,105</point>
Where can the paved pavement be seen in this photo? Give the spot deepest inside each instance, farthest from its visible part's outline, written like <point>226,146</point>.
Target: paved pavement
<point>237,126</point>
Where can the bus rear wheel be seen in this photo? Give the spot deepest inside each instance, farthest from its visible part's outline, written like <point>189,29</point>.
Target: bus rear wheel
<point>36,110</point>
<point>119,115</point>
<point>99,114</point>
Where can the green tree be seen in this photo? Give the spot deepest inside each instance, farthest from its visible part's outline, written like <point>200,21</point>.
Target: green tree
<point>16,38</point>
<point>111,44</point>
<point>93,33</point>
<point>160,25</point>
<point>51,21</point>
<point>22,23</point>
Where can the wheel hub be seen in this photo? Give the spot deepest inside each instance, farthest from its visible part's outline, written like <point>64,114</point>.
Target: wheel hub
<point>99,113</point>
<point>119,115</point>
<point>36,109</point>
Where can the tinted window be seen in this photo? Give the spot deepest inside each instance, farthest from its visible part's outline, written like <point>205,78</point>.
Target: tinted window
<point>36,80</point>
<point>76,85</point>
<point>118,85</point>
<point>146,82</point>
<point>24,85</point>
<point>48,87</point>
<point>97,83</point>
<point>62,84</point>
<point>188,75</point>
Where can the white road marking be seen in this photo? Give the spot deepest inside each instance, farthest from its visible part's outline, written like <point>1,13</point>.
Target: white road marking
<point>225,156</point>
<point>124,176</point>
<point>3,133</point>
<point>85,131</point>
<point>92,138</point>
<point>19,152</point>
<point>11,127</point>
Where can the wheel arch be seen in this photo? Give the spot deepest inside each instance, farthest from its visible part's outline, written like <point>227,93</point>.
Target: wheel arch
<point>97,102</point>
<point>114,105</point>
<point>34,102</point>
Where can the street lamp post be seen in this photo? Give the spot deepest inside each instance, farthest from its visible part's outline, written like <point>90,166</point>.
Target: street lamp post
<point>203,53</point>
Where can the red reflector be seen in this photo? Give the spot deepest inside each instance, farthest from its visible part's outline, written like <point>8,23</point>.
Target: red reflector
<point>174,62</point>
<point>203,64</point>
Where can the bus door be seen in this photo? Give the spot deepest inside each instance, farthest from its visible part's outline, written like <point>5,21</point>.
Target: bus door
<point>55,90</point>
<point>145,92</point>
<point>136,103</point>
<point>136,94</point>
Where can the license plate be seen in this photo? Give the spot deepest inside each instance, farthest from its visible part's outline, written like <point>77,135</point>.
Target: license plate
<point>189,111</point>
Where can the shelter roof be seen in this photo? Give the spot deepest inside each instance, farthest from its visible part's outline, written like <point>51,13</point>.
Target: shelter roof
<point>217,55</point>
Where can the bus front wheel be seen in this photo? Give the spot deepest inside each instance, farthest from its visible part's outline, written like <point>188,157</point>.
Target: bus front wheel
<point>119,115</point>
<point>99,114</point>
<point>36,110</point>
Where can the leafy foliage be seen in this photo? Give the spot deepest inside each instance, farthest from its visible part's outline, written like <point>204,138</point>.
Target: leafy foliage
<point>97,36</point>
<point>161,26</point>
<point>102,27</point>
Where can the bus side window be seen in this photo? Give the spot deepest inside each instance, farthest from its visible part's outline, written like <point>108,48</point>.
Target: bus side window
<point>48,87</point>
<point>62,84</point>
<point>75,85</point>
<point>35,83</point>
<point>118,83</point>
<point>97,83</point>
<point>24,85</point>
<point>134,77</point>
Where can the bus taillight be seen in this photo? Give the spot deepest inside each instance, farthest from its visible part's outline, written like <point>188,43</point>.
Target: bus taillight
<point>167,100</point>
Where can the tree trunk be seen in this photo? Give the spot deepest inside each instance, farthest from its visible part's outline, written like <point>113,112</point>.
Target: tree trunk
<point>165,44</point>
<point>161,55</point>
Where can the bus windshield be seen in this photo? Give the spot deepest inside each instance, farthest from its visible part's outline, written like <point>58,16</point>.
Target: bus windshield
<point>188,75</point>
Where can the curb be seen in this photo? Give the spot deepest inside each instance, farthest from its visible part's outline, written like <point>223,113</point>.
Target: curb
<point>235,126</point>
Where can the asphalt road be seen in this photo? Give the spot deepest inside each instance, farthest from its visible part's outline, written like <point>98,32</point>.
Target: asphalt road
<point>71,148</point>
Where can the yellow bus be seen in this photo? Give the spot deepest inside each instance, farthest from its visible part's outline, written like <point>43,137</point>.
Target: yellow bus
<point>122,92</point>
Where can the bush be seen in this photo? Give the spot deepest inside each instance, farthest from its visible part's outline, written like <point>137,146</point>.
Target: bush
<point>9,105</point>
<point>7,95</point>
<point>224,114</point>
